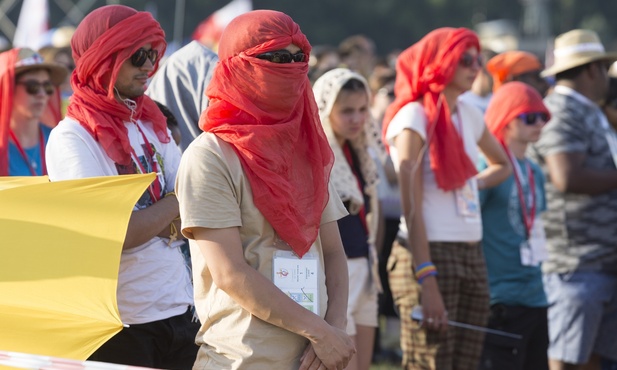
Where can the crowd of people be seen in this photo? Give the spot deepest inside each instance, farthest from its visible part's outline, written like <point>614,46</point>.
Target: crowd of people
<point>303,193</point>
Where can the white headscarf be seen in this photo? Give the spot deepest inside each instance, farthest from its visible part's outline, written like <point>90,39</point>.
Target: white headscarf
<point>326,90</point>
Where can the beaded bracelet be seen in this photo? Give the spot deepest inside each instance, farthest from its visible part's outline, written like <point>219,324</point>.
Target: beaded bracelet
<point>425,270</point>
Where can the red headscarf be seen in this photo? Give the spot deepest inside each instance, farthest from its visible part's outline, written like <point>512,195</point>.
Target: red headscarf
<point>267,112</point>
<point>511,100</point>
<point>422,72</point>
<point>511,63</point>
<point>101,43</point>
<point>7,87</point>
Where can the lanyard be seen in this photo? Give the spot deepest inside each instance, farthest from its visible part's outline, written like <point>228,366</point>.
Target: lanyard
<point>25,157</point>
<point>528,212</point>
<point>155,187</point>
<point>350,161</point>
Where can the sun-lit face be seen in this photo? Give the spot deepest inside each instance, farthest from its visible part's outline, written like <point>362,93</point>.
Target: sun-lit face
<point>132,81</point>
<point>466,73</point>
<point>26,105</point>
<point>349,114</point>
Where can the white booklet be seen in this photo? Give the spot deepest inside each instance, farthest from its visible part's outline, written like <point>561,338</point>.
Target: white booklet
<point>298,278</point>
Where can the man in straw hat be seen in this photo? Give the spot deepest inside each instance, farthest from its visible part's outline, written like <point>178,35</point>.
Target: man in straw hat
<point>579,159</point>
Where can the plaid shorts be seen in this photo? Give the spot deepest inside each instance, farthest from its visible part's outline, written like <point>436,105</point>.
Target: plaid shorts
<point>463,284</point>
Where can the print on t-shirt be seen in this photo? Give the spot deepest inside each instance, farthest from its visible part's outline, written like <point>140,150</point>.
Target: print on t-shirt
<point>148,164</point>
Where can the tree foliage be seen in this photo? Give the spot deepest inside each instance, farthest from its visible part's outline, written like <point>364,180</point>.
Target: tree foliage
<point>393,24</point>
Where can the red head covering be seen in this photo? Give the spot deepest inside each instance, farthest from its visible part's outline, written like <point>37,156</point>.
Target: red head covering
<point>511,100</point>
<point>422,72</point>
<point>7,87</point>
<point>101,43</point>
<point>267,112</point>
<point>511,63</point>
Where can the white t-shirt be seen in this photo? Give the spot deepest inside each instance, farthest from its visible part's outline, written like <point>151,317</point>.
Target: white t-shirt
<point>153,282</point>
<point>442,221</point>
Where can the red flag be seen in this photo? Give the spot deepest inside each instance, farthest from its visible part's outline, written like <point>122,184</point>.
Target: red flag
<point>210,30</point>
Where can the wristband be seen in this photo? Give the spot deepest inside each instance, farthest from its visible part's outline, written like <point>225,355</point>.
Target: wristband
<point>425,270</point>
<point>170,193</point>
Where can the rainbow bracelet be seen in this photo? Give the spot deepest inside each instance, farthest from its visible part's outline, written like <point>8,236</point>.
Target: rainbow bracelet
<point>425,270</point>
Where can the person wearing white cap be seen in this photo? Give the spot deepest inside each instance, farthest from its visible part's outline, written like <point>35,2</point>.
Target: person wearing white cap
<point>579,157</point>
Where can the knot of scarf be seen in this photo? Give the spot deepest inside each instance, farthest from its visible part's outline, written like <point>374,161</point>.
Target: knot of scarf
<point>267,113</point>
<point>422,72</point>
<point>104,40</point>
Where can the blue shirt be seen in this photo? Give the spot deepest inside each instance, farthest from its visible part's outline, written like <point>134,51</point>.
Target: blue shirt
<point>510,282</point>
<point>18,165</point>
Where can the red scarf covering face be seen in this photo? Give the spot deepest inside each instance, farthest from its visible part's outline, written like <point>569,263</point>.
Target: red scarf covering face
<point>7,89</point>
<point>422,72</point>
<point>511,100</point>
<point>106,38</point>
<point>267,112</point>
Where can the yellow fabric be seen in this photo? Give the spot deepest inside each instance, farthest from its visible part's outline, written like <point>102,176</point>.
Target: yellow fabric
<point>59,260</point>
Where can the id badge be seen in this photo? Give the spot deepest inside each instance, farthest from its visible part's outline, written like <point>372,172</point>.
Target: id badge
<point>533,251</point>
<point>537,241</point>
<point>526,254</point>
<point>467,201</point>
<point>298,278</point>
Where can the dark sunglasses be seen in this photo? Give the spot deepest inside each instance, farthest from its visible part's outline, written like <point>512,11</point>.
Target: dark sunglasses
<point>282,56</point>
<point>467,60</point>
<point>33,87</point>
<point>139,58</point>
<point>532,118</point>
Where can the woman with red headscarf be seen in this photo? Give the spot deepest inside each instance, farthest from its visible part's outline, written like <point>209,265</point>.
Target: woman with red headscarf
<point>433,141</point>
<point>270,270</point>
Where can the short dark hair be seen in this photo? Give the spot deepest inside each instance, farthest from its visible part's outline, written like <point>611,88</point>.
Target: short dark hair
<point>171,119</point>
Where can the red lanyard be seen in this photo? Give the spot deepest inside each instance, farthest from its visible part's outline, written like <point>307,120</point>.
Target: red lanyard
<point>25,157</point>
<point>348,156</point>
<point>528,212</point>
<point>155,187</point>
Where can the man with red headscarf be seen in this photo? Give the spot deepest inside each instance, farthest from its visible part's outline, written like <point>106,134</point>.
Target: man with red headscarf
<point>270,270</point>
<point>112,129</point>
<point>434,139</point>
<point>513,235</point>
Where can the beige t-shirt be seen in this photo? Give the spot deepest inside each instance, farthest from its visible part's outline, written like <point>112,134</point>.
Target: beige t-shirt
<point>214,192</point>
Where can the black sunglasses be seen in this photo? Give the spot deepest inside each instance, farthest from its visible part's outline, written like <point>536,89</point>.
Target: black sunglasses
<point>282,56</point>
<point>532,118</point>
<point>467,60</point>
<point>139,58</point>
<point>33,87</point>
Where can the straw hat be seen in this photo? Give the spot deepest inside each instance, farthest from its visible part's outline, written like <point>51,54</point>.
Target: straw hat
<point>28,60</point>
<point>576,48</point>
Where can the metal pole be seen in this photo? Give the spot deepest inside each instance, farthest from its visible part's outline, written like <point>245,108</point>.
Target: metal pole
<point>179,23</point>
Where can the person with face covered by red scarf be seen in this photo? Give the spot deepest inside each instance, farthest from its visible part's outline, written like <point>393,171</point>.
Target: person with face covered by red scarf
<point>111,129</point>
<point>434,139</point>
<point>259,212</point>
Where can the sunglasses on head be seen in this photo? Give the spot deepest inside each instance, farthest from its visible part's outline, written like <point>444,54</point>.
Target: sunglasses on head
<point>532,118</point>
<point>282,56</point>
<point>33,87</point>
<point>139,58</point>
<point>467,60</point>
